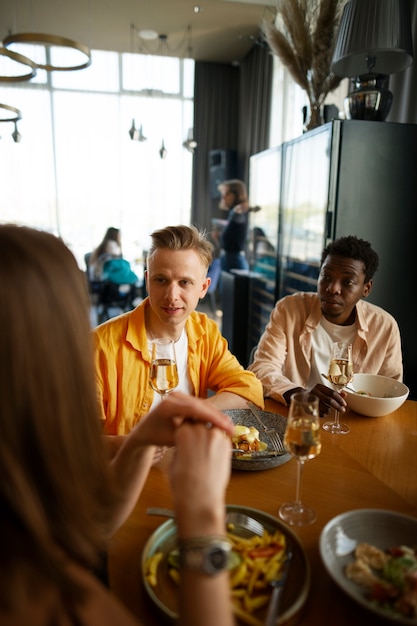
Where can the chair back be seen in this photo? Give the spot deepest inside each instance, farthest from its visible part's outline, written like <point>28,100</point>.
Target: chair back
<point>214,272</point>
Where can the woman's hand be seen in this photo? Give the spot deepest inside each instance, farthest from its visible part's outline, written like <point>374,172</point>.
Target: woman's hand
<point>159,426</point>
<point>200,473</point>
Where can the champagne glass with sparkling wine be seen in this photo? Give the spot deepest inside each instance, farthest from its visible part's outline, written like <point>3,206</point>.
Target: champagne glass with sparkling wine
<point>340,374</point>
<point>302,440</point>
<point>164,373</point>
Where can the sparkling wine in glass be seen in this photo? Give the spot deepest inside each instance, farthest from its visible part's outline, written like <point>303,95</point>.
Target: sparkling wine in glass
<point>164,373</point>
<point>302,440</point>
<point>340,374</point>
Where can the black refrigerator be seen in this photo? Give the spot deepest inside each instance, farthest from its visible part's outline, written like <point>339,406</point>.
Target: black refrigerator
<point>347,177</point>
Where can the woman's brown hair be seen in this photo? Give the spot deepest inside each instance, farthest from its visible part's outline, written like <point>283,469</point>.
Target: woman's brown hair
<point>54,488</point>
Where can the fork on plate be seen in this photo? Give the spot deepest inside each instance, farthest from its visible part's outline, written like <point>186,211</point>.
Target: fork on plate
<point>247,525</point>
<point>272,433</point>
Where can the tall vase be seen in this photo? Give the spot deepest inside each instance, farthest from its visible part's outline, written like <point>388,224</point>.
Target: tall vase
<point>314,117</point>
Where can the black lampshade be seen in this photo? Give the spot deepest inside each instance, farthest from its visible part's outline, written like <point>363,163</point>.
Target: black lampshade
<point>374,37</point>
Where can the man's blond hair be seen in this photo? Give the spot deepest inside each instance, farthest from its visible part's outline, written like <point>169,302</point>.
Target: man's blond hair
<point>182,238</point>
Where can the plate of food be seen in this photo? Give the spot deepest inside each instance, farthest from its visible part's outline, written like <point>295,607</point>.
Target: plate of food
<point>161,570</point>
<point>371,554</point>
<point>258,452</point>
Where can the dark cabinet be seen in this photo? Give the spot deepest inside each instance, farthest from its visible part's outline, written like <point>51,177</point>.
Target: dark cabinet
<point>344,178</point>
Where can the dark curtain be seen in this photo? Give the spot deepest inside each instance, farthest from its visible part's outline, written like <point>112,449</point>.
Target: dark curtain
<point>231,112</point>
<point>216,102</point>
<point>255,105</point>
<point>404,84</point>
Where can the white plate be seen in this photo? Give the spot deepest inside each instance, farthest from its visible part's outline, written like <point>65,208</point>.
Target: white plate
<point>164,595</point>
<point>266,459</point>
<point>380,528</point>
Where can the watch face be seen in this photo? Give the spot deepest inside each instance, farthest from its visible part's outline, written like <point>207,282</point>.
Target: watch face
<point>216,559</point>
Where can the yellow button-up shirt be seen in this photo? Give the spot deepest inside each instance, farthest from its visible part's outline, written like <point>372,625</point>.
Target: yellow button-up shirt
<point>123,363</point>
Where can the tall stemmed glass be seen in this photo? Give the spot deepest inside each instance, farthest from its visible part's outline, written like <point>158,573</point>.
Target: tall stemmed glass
<point>340,374</point>
<point>164,373</point>
<point>302,440</point>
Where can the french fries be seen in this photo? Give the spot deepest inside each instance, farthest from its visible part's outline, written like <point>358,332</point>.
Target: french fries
<point>260,561</point>
<point>151,568</point>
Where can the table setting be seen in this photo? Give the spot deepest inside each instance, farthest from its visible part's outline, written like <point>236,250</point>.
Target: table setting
<point>162,589</point>
<point>369,471</point>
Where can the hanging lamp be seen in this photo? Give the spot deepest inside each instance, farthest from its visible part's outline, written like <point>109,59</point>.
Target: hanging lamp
<point>7,109</point>
<point>190,143</point>
<point>163,151</point>
<point>49,42</point>
<point>16,62</point>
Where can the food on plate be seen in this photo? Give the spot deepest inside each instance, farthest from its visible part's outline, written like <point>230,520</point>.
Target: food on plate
<point>253,563</point>
<point>390,577</point>
<point>151,568</point>
<point>260,562</point>
<point>247,439</point>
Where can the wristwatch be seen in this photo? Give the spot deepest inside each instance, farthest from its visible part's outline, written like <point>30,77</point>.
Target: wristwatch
<point>209,555</point>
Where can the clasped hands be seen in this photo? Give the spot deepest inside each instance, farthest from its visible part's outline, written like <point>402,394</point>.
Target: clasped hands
<point>160,426</point>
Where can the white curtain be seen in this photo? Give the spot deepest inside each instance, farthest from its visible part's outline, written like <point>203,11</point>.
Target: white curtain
<point>288,100</point>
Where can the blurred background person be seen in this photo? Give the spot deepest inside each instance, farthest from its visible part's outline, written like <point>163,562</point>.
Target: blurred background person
<point>109,248</point>
<point>233,238</point>
<point>112,282</point>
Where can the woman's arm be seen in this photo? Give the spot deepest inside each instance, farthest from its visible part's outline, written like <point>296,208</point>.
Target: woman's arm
<point>132,461</point>
<point>199,476</point>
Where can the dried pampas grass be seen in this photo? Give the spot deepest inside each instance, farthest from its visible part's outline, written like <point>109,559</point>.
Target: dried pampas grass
<point>304,37</point>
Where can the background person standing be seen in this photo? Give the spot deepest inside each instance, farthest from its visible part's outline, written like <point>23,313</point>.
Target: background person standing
<point>234,199</point>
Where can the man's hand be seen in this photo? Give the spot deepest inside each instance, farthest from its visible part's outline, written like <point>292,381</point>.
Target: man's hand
<point>328,398</point>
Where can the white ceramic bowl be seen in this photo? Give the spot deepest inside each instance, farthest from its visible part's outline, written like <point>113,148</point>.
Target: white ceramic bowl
<point>386,395</point>
<point>380,528</point>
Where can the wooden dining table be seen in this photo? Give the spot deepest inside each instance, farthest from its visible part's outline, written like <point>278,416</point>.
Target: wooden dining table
<point>373,466</point>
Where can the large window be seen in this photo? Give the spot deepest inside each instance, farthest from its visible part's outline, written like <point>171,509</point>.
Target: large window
<point>76,171</point>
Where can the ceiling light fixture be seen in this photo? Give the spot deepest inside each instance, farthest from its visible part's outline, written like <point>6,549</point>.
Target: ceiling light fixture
<point>163,151</point>
<point>190,143</point>
<point>52,45</point>
<point>17,114</point>
<point>11,62</point>
<point>16,135</point>
<point>148,34</point>
<point>5,111</point>
<point>162,46</point>
<point>136,134</point>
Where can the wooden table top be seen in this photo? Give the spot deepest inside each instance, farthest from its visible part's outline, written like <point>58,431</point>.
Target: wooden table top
<point>374,466</point>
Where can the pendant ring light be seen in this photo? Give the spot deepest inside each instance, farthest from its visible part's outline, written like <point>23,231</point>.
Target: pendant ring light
<point>21,60</point>
<point>17,113</point>
<point>50,40</point>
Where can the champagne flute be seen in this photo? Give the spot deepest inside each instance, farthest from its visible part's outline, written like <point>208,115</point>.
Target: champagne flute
<point>340,374</point>
<point>163,375</point>
<point>302,440</point>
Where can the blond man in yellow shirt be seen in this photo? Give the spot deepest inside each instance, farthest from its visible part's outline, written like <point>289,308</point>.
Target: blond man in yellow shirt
<point>176,278</point>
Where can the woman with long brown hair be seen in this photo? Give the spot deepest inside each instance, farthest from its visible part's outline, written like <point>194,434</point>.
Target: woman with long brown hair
<point>60,497</point>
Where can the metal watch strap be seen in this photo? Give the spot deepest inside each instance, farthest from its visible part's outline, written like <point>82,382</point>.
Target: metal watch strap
<point>208,554</point>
